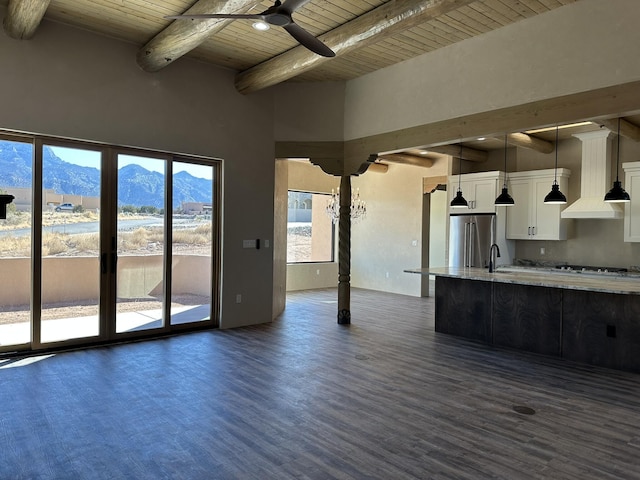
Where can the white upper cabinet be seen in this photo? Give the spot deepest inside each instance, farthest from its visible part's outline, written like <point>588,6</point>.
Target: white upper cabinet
<point>632,209</point>
<point>479,190</point>
<point>530,218</point>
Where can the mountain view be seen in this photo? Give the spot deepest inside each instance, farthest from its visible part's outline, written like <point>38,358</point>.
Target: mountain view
<point>137,186</point>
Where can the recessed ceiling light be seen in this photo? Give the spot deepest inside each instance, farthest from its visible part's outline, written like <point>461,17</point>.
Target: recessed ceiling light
<point>480,139</point>
<point>424,152</point>
<point>260,25</point>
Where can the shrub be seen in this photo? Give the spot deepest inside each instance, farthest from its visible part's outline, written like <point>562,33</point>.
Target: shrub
<point>53,244</point>
<point>128,209</point>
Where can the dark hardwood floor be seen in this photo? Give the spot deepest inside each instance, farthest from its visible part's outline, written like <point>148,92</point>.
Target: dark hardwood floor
<point>305,398</point>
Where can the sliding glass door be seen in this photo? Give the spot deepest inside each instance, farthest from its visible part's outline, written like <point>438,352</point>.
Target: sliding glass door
<point>102,244</point>
<point>140,240</point>
<point>15,244</point>
<point>191,243</point>
<point>70,254</point>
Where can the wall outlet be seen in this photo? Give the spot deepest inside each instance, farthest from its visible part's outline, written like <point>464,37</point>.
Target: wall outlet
<point>238,298</point>
<point>541,250</point>
<point>266,243</point>
<point>386,275</point>
<point>318,272</point>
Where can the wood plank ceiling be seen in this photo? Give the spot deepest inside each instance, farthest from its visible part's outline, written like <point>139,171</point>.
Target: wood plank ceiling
<point>366,35</point>
<point>240,47</point>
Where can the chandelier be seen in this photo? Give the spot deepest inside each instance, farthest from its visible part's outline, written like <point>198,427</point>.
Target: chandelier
<point>358,208</point>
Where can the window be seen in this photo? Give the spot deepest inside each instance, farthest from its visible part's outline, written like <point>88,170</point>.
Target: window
<point>310,231</point>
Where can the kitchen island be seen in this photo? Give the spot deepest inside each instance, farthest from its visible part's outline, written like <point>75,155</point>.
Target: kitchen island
<point>592,319</point>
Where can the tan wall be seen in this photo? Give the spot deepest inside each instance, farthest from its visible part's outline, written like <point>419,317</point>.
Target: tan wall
<point>140,277</point>
<point>68,279</point>
<point>305,276</point>
<point>188,276</point>
<point>16,281</point>
<point>389,240</point>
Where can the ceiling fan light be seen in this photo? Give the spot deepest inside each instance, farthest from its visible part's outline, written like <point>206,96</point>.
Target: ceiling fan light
<point>459,201</point>
<point>504,199</point>
<point>261,25</point>
<point>555,196</point>
<point>617,194</point>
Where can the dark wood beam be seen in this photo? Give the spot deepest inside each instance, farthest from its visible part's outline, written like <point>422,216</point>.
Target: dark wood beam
<point>23,17</point>
<point>388,19</point>
<point>182,36</point>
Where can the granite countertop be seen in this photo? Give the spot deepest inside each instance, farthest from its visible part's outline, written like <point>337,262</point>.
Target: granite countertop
<point>621,284</point>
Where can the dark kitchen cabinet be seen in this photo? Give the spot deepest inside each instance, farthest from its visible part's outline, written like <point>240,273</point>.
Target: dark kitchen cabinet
<point>590,327</point>
<point>602,329</point>
<point>463,308</point>
<point>527,318</point>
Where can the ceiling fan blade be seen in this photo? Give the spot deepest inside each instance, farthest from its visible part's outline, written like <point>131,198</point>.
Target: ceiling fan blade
<point>309,41</point>
<point>290,6</point>
<point>216,15</point>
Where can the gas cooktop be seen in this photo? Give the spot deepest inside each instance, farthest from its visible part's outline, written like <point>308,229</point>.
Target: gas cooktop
<point>590,269</point>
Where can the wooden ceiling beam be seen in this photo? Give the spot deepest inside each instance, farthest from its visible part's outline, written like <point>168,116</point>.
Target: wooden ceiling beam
<point>387,19</point>
<point>627,129</point>
<point>23,17</point>
<point>182,36</point>
<point>406,159</point>
<point>527,141</point>
<point>470,154</point>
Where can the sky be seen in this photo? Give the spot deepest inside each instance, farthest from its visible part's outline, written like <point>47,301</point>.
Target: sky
<point>90,158</point>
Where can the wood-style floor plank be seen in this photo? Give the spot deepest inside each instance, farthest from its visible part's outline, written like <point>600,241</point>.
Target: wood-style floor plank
<point>306,398</point>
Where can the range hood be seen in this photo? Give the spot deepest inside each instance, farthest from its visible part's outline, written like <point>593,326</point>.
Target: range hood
<point>595,179</point>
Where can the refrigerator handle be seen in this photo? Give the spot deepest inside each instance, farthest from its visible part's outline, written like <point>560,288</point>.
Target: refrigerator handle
<point>465,248</point>
<point>472,227</point>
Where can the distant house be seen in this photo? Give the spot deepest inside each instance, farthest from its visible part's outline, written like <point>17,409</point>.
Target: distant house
<point>23,198</point>
<point>196,208</point>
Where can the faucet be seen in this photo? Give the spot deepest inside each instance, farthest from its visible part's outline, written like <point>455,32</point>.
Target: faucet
<point>492,262</point>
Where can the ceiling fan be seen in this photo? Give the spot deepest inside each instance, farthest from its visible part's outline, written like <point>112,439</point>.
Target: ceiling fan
<point>279,15</point>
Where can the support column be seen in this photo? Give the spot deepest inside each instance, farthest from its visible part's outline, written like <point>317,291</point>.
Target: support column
<point>344,252</point>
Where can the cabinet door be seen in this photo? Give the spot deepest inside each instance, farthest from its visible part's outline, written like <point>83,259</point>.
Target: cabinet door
<point>533,324</point>
<point>518,216</point>
<point>545,218</point>
<point>468,192</point>
<point>601,329</point>
<point>632,209</point>
<point>484,193</point>
<point>463,308</point>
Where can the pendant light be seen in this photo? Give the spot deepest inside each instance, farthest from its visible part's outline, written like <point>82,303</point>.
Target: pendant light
<point>617,194</point>
<point>555,196</point>
<point>504,199</point>
<point>459,201</point>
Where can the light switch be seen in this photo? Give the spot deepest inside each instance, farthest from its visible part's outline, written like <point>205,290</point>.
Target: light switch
<point>249,244</point>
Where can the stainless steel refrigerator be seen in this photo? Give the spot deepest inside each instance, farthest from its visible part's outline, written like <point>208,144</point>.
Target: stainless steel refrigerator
<point>470,238</point>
